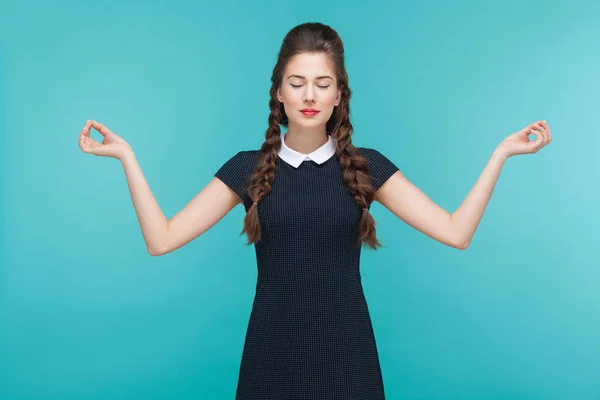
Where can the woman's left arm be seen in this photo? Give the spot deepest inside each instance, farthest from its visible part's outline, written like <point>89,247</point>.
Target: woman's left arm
<point>411,205</point>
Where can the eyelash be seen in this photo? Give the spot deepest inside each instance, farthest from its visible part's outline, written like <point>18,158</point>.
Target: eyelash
<point>322,87</point>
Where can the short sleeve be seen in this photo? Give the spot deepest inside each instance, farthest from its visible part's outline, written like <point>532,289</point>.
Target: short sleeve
<point>235,173</point>
<point>381,168</point>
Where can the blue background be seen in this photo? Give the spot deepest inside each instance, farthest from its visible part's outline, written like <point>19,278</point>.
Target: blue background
<point>86,313</point>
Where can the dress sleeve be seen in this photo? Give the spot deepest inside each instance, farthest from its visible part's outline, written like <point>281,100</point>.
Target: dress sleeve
<point>381,168</point>
<point>234,173</point>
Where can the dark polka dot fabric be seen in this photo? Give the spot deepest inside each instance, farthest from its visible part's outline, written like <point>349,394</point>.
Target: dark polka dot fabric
<point>309,334</point>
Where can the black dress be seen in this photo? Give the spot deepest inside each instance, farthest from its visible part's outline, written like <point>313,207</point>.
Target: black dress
<point>309,334</point>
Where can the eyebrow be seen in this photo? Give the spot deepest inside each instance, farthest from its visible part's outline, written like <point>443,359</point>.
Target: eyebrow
<point>302,77</point>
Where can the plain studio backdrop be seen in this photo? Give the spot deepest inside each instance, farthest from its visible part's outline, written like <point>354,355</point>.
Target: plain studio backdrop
<point>86,313</point>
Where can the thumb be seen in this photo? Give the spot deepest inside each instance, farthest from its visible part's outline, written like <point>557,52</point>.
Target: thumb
<point>90,146</point>
<point>100,128</point>
<point>532,126</point>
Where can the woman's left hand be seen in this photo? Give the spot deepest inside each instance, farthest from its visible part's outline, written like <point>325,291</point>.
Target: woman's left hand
<point>519,143</point>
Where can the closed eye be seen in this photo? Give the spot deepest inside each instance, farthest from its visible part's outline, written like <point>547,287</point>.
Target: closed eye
<point>322,87</point>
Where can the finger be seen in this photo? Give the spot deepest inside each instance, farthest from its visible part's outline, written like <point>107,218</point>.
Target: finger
<point>532,129</point>
<point>535,145</point>
<point>86,128</point>
<point>545,124</point>
<point>546,133</point>
<point>541,128</point>
<point>538,139</point>
<point>539,136</point>
<point>100,128</point>
<point>543,134</point>
<point>82,139</point>
<point>544,128</point>
<point>89,145</point>
<point>84,143</point>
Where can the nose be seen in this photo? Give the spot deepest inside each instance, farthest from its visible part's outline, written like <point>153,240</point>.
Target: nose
<point>309,94</point>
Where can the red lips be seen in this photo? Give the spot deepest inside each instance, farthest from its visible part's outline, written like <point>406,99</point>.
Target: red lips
<point>309,111</point>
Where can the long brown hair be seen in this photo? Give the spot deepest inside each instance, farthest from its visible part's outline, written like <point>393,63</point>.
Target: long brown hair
<point>313,37</point>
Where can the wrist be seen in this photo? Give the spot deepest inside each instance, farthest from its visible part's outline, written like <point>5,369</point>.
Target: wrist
<point>500,153</point>
<point>127,155</point>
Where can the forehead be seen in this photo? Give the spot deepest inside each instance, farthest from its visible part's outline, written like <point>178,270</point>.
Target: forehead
<point>310,65</point>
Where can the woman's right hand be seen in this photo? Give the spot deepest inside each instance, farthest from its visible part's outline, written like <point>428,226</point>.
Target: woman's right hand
<point>112,146</point>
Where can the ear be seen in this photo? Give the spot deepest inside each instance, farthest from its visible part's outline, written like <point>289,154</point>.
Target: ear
<point>339,98</point>
<point>279,97</point>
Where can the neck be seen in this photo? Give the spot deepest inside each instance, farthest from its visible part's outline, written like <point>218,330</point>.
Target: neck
<point>305,140</point>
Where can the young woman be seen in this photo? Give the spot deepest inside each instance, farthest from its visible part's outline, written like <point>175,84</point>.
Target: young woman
<point>307,197</point>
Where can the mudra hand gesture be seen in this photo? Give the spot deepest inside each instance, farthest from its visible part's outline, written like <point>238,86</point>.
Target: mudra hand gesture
<point>519,143</point>
<point>112,146</point>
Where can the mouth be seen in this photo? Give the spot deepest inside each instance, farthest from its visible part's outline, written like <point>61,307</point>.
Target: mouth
<point>309,111</point>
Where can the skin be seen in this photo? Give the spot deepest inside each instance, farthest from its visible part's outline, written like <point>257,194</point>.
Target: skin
<point>306,134</point>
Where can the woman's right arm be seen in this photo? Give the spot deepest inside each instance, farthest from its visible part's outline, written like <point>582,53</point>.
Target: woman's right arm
<point>160,234</point>
<point>163,236</point>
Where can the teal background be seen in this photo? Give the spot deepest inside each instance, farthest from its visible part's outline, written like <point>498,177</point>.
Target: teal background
<point>86,313</point>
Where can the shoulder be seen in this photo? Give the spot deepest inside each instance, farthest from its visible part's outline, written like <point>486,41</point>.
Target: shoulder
<point>247,154</point>
<point>240,162</point>
<point>381,168</point>
<point>243,159</point>
<point>236,170</point>
<point>372,155</point>
<point>366,151</point>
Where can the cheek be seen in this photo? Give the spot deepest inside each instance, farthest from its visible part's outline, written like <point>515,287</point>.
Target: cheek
<point>331,98</point>
<point>293,95</point>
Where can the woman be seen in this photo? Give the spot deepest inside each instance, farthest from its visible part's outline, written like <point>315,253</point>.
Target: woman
<point>307,196</point>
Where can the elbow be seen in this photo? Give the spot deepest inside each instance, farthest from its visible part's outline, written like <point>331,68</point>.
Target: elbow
<point>154,252</point>
<point>459,242</point>
<point>157,247</point>
<point>462,245</point>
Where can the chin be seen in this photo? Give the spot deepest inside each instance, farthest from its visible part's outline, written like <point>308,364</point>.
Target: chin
<point>310,124</point>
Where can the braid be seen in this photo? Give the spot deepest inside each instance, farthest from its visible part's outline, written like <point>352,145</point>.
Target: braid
<point>355,169</point>
<point>264,173</point>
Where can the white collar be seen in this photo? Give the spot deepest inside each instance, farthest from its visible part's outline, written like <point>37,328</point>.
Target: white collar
<point>319,156</point>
